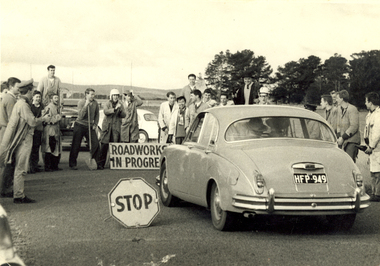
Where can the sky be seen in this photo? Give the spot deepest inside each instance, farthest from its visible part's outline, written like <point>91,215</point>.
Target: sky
<point>156,44</point>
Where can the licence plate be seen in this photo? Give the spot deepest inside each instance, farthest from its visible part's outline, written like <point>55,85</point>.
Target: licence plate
<point>310,178</point>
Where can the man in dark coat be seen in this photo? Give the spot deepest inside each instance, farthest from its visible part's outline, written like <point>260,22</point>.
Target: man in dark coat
<point>249,94</point>
<point>114,112</point>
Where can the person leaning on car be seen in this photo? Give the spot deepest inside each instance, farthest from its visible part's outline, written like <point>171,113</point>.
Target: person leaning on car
<point>114,112</point>
<point>372,140</point>
<point>347,125</point>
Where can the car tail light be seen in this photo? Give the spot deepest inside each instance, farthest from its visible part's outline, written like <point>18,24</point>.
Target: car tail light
<point>358,178</point>
<point>259,182</point>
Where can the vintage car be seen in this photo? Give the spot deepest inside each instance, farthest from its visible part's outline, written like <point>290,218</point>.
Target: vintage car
<point>8,255</point>
<point>262,160</point>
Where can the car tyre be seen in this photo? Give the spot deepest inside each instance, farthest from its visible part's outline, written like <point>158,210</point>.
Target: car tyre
<point>166,197</point>
<point>143,136</point>
<point>341,222</point>
<point>222,220</point>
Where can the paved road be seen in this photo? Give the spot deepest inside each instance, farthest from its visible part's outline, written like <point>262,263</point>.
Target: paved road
<point>70,225</point>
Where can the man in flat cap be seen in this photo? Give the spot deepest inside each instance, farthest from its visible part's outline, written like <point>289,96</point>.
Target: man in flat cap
<point>18,140</point>
<point>49,85</point>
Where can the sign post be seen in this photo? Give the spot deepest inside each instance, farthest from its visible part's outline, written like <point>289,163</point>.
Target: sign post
<point>133,202</point>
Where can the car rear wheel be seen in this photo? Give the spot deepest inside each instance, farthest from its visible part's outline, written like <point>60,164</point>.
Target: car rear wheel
<point>222,220</point>
<point>166,197</point>
<point>341,222</point>
<point>143,136</point>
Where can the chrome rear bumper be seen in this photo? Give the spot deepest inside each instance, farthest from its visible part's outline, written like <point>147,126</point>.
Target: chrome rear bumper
<point>273,204</point>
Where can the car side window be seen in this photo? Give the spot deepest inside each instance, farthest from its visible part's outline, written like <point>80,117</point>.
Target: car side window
<point>195,129</point>
<point>210,129</point>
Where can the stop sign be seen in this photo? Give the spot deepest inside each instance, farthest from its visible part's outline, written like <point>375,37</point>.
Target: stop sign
<point>133,202</point>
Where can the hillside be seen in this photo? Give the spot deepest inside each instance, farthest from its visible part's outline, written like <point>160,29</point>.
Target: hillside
<point>146,93</point>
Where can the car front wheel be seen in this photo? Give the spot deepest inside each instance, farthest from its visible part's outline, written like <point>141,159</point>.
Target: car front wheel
<point>341,222</point>
<point>222,220</point>
<point>143,136</point>
<point>166,197</point>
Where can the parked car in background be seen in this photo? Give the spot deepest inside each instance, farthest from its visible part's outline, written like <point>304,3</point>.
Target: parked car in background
<point>263,160</point>
<point>8,255</point>
<point>148,127</point>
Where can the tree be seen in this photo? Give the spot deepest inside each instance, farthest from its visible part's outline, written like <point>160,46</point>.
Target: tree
<point>335,73</point>
<point>296,77</point>
<point>364,75</point>
<point>226,71</point>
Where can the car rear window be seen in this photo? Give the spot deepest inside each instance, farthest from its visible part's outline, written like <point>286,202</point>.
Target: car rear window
<point>279,127</point>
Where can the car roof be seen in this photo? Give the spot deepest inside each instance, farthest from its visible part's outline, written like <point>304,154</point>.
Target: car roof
<point>227,115</point>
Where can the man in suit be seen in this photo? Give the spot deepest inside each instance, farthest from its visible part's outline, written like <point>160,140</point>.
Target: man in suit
<point>189,88</point>
<point>347,125</point>
<point>331,112</point>
<point>49,85</point>
<point>249,94</point>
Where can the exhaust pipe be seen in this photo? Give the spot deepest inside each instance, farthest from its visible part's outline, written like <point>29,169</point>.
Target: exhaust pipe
<point>249,214</point>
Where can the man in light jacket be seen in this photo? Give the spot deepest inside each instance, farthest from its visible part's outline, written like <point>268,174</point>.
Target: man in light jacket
<point>372,140</point>
<point>164,115</point>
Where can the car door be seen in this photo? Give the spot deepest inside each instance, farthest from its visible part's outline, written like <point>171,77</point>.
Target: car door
<point>201,143</point>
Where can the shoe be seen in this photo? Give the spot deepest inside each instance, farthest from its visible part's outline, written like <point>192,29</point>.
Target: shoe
<point>100,167</point>
<point>374,198</point>
<point>23,200</point>
<point>73,167</point>
<point>7,195</point>
<point>37,170</point>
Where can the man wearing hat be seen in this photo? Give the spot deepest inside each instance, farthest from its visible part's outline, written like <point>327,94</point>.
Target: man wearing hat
<point>111,127</point>
<point>49,85</point>
<point>18,140</point>
<point>130,124</point>
<point>249,94</point>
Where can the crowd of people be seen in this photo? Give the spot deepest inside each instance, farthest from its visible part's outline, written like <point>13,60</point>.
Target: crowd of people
<point>30,124</point>
<point>30,128</point>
